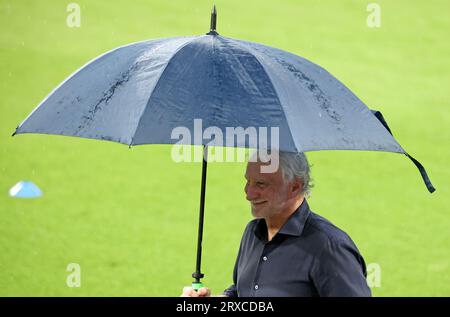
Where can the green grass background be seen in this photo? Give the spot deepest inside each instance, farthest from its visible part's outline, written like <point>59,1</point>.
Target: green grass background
<point>129,216</point>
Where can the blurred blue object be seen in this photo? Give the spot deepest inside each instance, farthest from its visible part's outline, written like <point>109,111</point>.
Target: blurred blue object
<point>25,189</point>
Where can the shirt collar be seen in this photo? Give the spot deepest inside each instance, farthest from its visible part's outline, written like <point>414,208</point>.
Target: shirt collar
<point>294,225</point>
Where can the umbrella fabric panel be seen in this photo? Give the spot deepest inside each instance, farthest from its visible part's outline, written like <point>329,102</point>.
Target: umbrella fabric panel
<point>321,111</point>
<point>115,89</point>
<point>220,82</point>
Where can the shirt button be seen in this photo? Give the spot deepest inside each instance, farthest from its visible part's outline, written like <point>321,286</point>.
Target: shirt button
<point>265,258</point>
<point>256,287</point>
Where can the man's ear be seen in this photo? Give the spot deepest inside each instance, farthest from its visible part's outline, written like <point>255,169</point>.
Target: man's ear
<point>296,187</point>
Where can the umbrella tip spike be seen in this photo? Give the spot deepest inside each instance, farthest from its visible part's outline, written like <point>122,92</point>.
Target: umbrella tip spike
<point>212,28</point>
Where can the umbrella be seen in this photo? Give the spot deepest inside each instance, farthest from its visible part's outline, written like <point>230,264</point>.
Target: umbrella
<point>139,93</point>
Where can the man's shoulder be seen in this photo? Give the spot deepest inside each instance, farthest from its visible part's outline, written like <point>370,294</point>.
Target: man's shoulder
<point>251,225</point>
<point>318,227</point>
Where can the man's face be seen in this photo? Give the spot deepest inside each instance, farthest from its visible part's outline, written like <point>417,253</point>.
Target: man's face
<point>267,193</point>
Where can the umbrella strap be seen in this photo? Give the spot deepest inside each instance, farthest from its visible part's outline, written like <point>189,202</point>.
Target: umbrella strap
<point>419,166</point>
<point>424,174</point>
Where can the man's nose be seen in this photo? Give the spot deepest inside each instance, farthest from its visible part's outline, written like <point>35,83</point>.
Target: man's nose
<point>251,193</point>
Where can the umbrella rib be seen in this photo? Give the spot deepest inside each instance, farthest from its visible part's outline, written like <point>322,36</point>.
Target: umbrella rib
<point>157,83</point>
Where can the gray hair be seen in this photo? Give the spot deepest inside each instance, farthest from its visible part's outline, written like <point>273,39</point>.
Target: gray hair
<point>296,166</point>
<point>292,166</point>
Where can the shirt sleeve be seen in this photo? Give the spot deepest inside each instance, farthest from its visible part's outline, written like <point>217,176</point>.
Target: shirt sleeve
<point>231,291</point>
<point>340,271</point>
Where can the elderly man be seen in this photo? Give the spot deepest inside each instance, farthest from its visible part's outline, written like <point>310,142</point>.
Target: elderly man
<point>288,250</point>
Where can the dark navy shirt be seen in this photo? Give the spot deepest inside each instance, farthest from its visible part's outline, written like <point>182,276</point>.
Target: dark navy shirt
<point>309,256</point>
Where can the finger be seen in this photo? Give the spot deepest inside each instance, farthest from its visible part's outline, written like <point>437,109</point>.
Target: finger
<point>204,292</point>
<point>188,291</point>
<point>193,293</point>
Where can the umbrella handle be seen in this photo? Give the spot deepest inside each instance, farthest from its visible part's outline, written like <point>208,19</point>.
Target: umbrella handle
<point>197,286</point>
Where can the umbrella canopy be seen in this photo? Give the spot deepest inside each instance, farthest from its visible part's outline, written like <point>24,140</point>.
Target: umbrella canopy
<point>139,93</point>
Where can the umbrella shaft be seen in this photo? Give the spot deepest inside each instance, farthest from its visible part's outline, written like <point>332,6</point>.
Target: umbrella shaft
<point>197,274</point>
